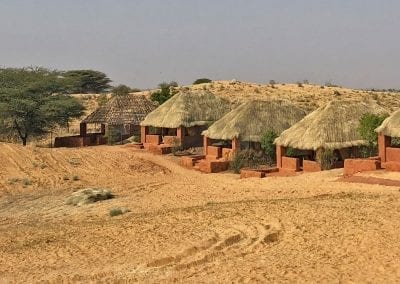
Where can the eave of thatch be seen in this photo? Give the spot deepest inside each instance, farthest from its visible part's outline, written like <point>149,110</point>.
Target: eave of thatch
<point>251,120</point>
<point>188,109</point>
<point>333,126</point>
<point>391,125</point>
<point>131,109</point>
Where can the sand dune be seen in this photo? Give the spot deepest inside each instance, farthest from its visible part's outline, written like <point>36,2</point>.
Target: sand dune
<point>186,226</point>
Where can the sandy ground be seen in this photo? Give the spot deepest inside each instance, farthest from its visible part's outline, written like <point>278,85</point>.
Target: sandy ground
<point>185,226</point>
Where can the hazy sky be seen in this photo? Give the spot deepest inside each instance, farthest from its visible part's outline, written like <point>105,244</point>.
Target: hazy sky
<point>140,43</point>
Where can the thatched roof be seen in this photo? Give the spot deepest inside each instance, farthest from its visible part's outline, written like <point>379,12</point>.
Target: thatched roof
<point>391,125</point>
<point>251,120</point>
<point>131,109</point>
<point>333,126</point>
<point>188,109</point>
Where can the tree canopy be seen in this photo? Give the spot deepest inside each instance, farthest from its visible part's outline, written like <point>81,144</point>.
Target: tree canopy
<point>32,102</point>
<point>202,81</point>
<point>121,90</point>
<point>87,81</point>
<point>166,91</point>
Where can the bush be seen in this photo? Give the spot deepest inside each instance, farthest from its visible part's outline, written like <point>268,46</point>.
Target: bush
<point>326,159</point>
<point>102,99</point>
<point>247,159</point>
<point>202,81</point>
<point>176,145</point>
<point>88,195</point>
<point>121,90</point>
<point>368,123</point>
<point>268,146</point>
<point>165,93</point>
<point>118,211</point>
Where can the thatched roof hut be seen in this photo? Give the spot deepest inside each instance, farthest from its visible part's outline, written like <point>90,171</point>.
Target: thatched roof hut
<point>131,109</point>
<point>391,125</point>
<point>188,109</point>
<point>251,120</point>
<point>333,126</point>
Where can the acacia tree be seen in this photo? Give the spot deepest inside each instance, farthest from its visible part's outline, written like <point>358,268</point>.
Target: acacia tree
<point>32,103</point>
<point>87,81</point>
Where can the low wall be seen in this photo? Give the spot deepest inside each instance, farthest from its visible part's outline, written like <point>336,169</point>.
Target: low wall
<point>207,166</point>
<point>353,166</point>
<point>291,164</point>
<point>392,154</point>
<point>153,139</point>
<point>214,151</point>
<point>227,154</point>
<point>311,166</point>
<point>170,140</point>
<point>392,166</point>
<point>250,173</point>
<point>80,141</point>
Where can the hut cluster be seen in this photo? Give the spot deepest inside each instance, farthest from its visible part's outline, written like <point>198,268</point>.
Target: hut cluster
<point>216,131</point>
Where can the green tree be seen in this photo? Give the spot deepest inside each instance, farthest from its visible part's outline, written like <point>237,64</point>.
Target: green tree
<point>87,81</point>
<point>268,146</point>
<point>368,123</point>
<point>166,91</point>
<point>202,81</point>
<point>121,90</point>
<point>31,102</point>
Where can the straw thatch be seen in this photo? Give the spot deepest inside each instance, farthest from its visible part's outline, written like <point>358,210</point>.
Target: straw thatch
<point>391,125</point>
<point>131,109</point>
<point>333,126</point>
<point>251,120</point>
<point>188,109</point>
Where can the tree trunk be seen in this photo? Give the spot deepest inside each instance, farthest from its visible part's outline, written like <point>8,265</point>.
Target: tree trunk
<point>23,141</point>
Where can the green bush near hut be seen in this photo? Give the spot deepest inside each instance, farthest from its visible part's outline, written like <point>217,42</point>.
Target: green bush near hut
<point>368,123</point>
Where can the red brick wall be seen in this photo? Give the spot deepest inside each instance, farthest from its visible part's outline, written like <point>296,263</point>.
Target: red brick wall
<point>72,141</point>
<point>311,166</point>
<point>153,139</point>
<point>214,151</point>
<point>248,173</point>
<point>289,163</point>
<point>352,166</point>
<point>171,140</point>
<point>227,154</point>
<point>392,154</point>
<point>207,166</point>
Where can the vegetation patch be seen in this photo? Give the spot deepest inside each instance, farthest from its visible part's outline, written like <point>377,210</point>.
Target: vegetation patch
<point>88,195</point>
<point>118,211</point>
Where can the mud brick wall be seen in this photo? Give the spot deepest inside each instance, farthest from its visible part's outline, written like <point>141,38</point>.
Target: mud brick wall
<point>248,173</point>
<point>72,141</point>
<point>214,151</point>
<point>292,164</point>
<point>311,166</point>
<point>153,139</point>
<point>352,166</point>
<point>392,154</point>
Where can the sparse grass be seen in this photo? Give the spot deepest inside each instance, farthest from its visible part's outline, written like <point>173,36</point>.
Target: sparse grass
<point>66,178</point>
<point>12,181</point>
<point>76,178</point>
<point>43,166</point>
<point>74,161</point>
<point>118,211</point>
<point>26,182</point>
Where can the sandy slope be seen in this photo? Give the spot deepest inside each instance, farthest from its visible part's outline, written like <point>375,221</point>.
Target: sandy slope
<point>187,226</point>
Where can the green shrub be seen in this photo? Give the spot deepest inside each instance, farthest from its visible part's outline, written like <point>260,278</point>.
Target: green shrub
<point>368,123</point>
<point>165,93</point>
<point>202,81</point>
<point>176,146</point>
<point>248,158</point>
<point>268,146</point>
<point>326,159</point>
<point>118,211</point>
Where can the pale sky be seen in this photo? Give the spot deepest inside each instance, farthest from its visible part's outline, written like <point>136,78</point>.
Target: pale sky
<point>140,43</point>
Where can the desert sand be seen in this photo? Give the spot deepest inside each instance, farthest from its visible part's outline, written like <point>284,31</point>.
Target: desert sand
<point>185,226</point>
